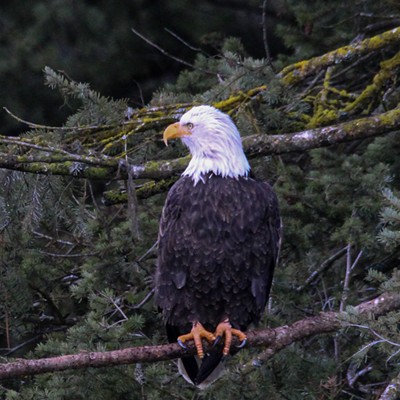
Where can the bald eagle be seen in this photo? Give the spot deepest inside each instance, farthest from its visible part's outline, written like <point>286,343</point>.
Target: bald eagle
<point>218,243</point>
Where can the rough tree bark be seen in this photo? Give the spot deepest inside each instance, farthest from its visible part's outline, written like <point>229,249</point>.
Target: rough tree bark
<point>392,391</point>
<point>275,339</point>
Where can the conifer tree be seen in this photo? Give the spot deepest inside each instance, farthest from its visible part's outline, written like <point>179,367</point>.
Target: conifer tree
<point>77,270</point>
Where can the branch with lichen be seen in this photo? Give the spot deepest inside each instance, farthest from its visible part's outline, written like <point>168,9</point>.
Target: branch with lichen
<point>254,146</point>
<point>295,73</point>
<point>330,104</point>
<point>100,152</point>
<point>111,139</point>
<point>322,79</point>
<point>371,94</point>
<point>274,340</point>
<point>143,191</point>
<point>117,140</point>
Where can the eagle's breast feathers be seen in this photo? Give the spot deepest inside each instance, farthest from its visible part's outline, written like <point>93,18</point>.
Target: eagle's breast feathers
<point>218,245</point>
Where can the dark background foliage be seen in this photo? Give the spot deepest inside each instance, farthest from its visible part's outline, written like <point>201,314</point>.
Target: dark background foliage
<point>92,41</point>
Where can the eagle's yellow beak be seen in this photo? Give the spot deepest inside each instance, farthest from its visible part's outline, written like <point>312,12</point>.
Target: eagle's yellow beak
<point>174,131</point>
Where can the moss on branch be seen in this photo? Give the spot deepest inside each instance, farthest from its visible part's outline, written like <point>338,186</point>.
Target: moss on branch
<point>112,140</point>
<point>295,73</point>
<point>102,149</point>
<point>262,144</point>
<point>143,191</point>
<point>256,145</point>
<point>66,168</point>
<point>371,94</point>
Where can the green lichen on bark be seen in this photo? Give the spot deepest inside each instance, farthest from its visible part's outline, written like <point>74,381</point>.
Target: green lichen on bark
<point>101,152</point>
<point>254,146</point>
<point>66,168</point>
<point>324,111</point>
<point>295,73</point>
<point>372,93</point>
<point>113,140</point>
<point>143,191</point>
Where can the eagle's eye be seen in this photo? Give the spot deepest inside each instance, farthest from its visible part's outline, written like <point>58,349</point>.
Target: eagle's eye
<point>189,125</point>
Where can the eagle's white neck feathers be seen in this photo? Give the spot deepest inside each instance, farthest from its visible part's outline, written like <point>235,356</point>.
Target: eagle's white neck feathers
<point>214,143</point>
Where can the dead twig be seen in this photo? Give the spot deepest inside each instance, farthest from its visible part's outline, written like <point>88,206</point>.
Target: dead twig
<point>323,267</point>
<point>265,35</point>
<point>349,268</point>
<point>165,53</point>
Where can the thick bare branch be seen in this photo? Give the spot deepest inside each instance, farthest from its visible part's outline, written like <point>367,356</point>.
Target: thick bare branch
<point>322,137</point>
<point>274,339</point>
<point>392,391</point>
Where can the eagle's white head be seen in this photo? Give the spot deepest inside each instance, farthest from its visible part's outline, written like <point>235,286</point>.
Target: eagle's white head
<point>214,142</point>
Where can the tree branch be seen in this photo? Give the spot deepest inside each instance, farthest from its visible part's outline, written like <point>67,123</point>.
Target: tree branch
<point>295,73</point>
<point>255,146</point>
<point>265,35</point>
<point>321,269</point>
<point>361,128</point>
<point>36,155</point>
<point>260,145</point>
<point>165,53</point>
<point>392,391</point>
<point>274,339</point>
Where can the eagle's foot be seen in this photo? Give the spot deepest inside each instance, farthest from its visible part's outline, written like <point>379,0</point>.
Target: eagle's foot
<point>197,333</point>
<point>224,328</point>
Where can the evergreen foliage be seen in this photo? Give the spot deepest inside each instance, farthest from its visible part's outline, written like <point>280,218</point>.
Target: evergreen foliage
<point>74,277</point>
<point>325,25</point>
<point>390,215</point>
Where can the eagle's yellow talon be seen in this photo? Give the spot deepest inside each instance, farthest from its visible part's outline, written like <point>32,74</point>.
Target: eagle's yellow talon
<point>224,328</point>
<point>239,334</point>
<point>197,333</point>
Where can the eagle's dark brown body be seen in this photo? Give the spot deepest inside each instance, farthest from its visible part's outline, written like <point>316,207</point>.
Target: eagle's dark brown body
<point>218,243</point>
<point>218,246</point>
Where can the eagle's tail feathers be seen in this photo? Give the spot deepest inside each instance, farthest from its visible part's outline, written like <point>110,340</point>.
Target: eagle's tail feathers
<point>189,367</point>
<point>196,371</point>
<point>201,373</point>
<point>211,368</point>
